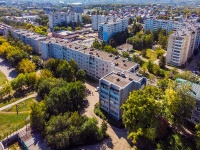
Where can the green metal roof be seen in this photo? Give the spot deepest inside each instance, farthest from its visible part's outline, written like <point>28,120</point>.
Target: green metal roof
<point>195,88</point>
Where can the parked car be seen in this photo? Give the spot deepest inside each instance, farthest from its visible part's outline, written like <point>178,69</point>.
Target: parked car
<point>97,89</point>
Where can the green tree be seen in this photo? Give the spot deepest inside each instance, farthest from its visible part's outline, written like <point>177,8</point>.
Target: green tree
<point>81,75</point>
<point>137,59</point>
<point>197,136</point>
<point>26,66</point>
<point>45,74</point>
<point>141,113</point>
<point>37,116</point>
<point>187,75</point>
<point>125,54</point>
<point>162,62</point>
<point>38,61</point>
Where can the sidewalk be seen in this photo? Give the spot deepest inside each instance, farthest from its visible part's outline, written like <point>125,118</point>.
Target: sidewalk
<point>18,101</point>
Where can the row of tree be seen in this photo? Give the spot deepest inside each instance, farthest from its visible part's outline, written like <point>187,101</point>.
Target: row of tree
<point>145,40</point>
<point>57,117</point>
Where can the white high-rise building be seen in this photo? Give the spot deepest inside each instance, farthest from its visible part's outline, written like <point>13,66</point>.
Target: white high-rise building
<point>64,18</point>
<point>77,7</point>
<point>98,19</point>
<point>181,46</point>
<point>108,29</point>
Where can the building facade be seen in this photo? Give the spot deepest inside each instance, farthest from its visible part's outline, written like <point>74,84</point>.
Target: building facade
<point>108,29</point>
<point>114,90</point>
<point>64,18</point>
<point>98,19</point>
<point>28,38</point>
<point>77,7</point>
<point>181,46</point>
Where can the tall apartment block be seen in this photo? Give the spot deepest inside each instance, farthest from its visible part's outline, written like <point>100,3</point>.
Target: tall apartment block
<point>59,18</point>
<point>114,89</point>
<point>181,45</point>
<point>168,25</point>
<point>154,24</point>
<point>77,7</point>
<point>107,29</point>
<point>98,19</point>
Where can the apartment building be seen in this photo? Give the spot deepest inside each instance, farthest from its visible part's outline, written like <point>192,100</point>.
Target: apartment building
<point>66,18</point>
<point>96,63</point>
<point>154,24</point>
<point>77,7</point>
<point>114,89</point>
<point>98,19</point>
<point>107,29</point>
<point>181,46</point>
<point>29,38</point>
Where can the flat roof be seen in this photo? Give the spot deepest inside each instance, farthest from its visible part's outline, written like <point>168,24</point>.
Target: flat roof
<point>125,47</point>
<point>123,63</point>
<point>120,81</point>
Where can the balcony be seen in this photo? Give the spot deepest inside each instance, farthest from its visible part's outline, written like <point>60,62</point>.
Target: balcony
<point>103,94</point>
<point>115,94</point>
<point>104,98</point>
<point>114,104</point>
<point>104,89</point>
<point>114,99</point>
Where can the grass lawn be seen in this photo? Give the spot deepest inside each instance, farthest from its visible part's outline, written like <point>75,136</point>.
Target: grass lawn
<point>151,54</point>
<point>11,100</point>
<point>10,122</point>
<point>23,106</point>
<point>2,78</point>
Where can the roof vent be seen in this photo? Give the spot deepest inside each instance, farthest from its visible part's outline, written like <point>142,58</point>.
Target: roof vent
<point>118,79</point>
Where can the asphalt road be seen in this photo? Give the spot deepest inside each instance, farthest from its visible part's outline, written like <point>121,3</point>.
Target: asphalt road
<point>7,69</point>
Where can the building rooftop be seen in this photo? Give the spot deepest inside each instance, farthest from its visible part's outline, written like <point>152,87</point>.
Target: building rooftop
<point>123,63</point>
<point>125,47</point>
<point>195,88</point>
<point>123,79</point>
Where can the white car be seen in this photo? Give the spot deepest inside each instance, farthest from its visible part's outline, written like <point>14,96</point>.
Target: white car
<point>97,89</point>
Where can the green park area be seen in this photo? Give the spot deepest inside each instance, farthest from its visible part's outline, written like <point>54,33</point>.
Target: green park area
<point>2,78</point>
<point>10,121</point>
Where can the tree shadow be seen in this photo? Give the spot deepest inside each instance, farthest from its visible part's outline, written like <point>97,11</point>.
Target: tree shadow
<point>105,144</point>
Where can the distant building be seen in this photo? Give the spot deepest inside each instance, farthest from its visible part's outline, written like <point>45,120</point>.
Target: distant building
<point>77,7</point>
<point>108,29</point>
<point>29,38</point>
<point>98,19</point>
<point>65,18</point>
